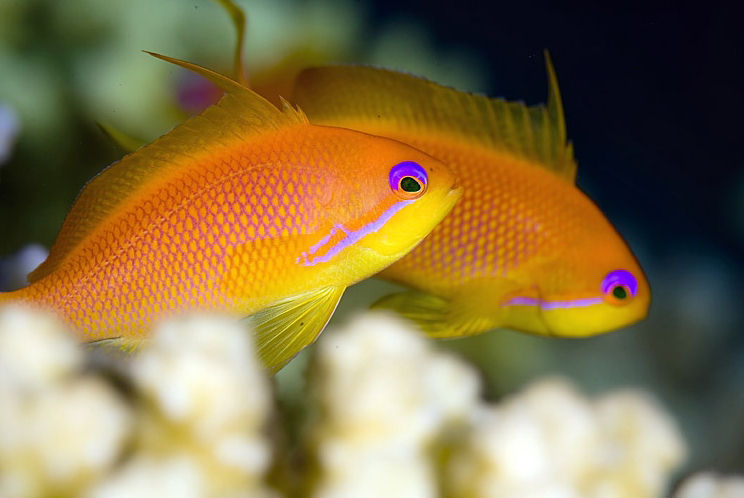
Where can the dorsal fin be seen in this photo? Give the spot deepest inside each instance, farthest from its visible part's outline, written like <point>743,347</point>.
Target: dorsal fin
<point>125,142</point>
<point>239,115</point>
<point>555,103</point>
<point>223,82</point>
<point>380,100</point>
<point>238,18</point>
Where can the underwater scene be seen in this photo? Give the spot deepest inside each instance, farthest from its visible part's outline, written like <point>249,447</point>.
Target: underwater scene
<point>337,248</point>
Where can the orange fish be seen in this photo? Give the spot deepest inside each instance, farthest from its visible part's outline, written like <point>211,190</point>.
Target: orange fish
<point>524,248</point>
<point>244,209</point>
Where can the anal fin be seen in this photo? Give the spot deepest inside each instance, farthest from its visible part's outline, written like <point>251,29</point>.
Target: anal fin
<point>283,329</point>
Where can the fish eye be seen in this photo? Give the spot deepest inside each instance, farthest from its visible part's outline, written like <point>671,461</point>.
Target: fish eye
<point>618,286</point>
<point>409,184</point>
<point>619,292</point>
<point>408,180</point>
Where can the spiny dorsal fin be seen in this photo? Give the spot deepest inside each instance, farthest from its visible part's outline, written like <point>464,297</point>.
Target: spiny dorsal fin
<point>238,18</point>
<point>380,101</point>
<point>555,103</point>
<point>227,85</point>
<point>223,82</point>
<point>240,115</point>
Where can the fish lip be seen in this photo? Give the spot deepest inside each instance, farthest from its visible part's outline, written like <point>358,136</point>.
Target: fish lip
<point>455,190</point>
<point>540,311</point>
<point>453,197</point>
<point>549,331</point>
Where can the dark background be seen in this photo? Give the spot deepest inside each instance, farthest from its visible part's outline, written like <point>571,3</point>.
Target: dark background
<point>653,94</point>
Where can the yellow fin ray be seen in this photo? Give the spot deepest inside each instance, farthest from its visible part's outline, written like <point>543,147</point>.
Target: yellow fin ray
<point>238,18</point>
<point>555,103</point>
<point>381,100</point>
<point>223,82</point>
<point>283,329</point>
<point>435,315</point>
<point>240,115</point>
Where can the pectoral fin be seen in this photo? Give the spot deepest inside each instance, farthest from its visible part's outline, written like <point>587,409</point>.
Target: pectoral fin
<point>283,329</point>
<point>438,317</point>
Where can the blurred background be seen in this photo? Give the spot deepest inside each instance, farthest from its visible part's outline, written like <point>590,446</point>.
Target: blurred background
<point>653,101</point>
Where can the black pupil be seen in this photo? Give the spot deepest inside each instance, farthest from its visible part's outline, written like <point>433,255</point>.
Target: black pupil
<point>619,292</point>
<point>409,184</point>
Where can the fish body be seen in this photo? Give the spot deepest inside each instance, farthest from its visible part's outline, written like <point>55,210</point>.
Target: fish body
<point>244,210</point>
<point>524,248</point>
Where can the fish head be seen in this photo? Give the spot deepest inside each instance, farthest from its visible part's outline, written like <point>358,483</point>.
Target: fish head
<point>588,284</point>
<point>392,195</point>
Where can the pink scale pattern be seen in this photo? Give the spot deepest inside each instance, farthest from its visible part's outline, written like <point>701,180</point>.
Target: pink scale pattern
<point>170,251</point>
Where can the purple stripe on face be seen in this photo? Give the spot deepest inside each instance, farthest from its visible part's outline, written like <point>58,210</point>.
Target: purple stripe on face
<point>521,301</point>
<point>574,303</point>
<point>552,305</point>
<point>353,236</point>
<point>325,239</point>
<point>304,256</point>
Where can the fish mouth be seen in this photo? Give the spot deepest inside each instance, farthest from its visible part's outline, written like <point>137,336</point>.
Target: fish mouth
<point>449,200</point>
<point>454,194</point>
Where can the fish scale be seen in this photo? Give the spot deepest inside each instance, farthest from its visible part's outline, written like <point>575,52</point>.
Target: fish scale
<point>244,210</point>
<point>104,269</point>
<point>459,246</point>
<point>524,248</point>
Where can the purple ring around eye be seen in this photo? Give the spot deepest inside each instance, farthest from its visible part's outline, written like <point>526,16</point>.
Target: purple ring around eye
<point>403,169</point>
<point>619,277</point>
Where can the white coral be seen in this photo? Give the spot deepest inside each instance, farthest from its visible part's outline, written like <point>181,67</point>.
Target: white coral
<point>392,406</point>
<point>385,394</point>
<point>206,400</point>
<point>177,477</point>
<point>59,430</point>
<point>35,351</point>
<point>552,441</point>
<point>395,417</point>
<point>640,446</point>
<point>711,485</point>
<point>534,444</point>
<point>202,372</point>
